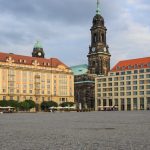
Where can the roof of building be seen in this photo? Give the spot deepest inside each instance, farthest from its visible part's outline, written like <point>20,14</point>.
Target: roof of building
<point>28,60</point>
<point>38,45</point>
<point>80,69</point>
<point>131,64</point>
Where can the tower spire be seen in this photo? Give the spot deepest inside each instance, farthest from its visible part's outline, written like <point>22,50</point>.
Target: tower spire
<point>98,8</point>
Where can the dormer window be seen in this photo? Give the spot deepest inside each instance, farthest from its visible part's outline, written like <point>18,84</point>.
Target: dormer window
<point>117,68</point>
<point>129,67</point>
<point>135,66</point>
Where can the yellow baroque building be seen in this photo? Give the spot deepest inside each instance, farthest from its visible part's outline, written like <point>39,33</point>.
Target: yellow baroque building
<point>38,79</point>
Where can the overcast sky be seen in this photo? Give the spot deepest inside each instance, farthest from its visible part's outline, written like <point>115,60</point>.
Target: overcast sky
<point>63,27</point>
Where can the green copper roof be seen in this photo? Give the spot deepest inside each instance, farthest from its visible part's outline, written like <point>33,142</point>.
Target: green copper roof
<point>80,69</point>
<point>98,8</point>
<point>38,45</point>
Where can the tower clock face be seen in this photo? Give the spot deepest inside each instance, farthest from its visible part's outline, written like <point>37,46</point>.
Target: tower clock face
<point>105,50</point>
<point>93,49</point>
<point>39,54</point>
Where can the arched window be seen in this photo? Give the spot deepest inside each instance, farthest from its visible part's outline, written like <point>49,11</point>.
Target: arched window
<point>103,37</point>
<point>94,38</point>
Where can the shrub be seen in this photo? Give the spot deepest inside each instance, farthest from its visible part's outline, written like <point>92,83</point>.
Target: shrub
<point>46,104</point>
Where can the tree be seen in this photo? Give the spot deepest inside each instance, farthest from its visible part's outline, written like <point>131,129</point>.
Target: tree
<point>46,104</point>
<point>31,103</point>
<point>65,104</point>
<point>3,103</point>
<point>27,105</point>
<point>24,106</point>
<point>13,103</point>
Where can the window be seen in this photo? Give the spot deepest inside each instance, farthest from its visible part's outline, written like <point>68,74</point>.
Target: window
<point>11,98</point>
<point>116,94</point>
<point>4,90</point>
<point>128,88</point>
<point>24,91</point>
<point>104,84</point>
<point>116,102</point>
<point>148,86</point>
<point>141,92</point>
<point>141,81</point>
<point>122,73</point>
<point>31,86</point>
<point>98,85</point>
<point>128,93</point>
<point>116,84</point>
<point>116,79</point>
<point>121,88</point>
<point>135,77</point>
<point>129,67</point>
<point>42,98</point>
<point>109,79</point>
<point>141,103</point>
<point>147,70</point>
<point>110,84</point>
<point>129,72</point>
<point>104,94</point>
<point>109,94</point>
<point>4,97</point>
<point>117,73</point>
<point>141,76</point>
<point>116,89</point>
<point>122,94</point>
<point>134,93</point>
<point>148,92</point>
<point>134,87</point>
<point>135,71</point>
<point>148,76</point>
<point>148,81</point>
<point>128,82</point>
<point>128,77</point>
<point>134,82</point>
<point>121,83</point>
<point>121,78</point>
<point>142,87</point>
<point>141,70</point>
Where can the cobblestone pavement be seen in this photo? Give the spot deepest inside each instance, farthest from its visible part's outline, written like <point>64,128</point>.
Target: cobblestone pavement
<point>75,131</point>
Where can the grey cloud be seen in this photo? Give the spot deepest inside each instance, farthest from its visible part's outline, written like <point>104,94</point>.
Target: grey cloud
<point>63,27</point>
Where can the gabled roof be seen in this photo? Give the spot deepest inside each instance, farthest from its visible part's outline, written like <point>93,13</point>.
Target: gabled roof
<point>79,69</point>
<point>131,64</point>
<point>28,60</point>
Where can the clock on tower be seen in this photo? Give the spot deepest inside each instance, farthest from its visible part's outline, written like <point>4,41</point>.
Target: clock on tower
<point>38,50</point>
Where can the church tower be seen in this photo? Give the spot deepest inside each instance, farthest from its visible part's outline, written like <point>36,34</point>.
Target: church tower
<point>98,56</point>
<point>38,50</point>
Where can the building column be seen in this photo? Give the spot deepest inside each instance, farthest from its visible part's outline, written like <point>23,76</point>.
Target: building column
<point>119,104</point>
<point>125,104</point>
<point>138,103</point>
<point>145,103</point>
<point>132,104</point>
<point>102,104</point>
<point>96,102</point>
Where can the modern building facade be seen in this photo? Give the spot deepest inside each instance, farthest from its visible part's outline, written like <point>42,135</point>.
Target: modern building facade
<point>98,63</point>
<point>127,86</point>
<point>36,78</point>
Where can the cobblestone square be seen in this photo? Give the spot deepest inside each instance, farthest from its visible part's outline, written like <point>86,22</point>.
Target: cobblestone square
<point>75,131</point>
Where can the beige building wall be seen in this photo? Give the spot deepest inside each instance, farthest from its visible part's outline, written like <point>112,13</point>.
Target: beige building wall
<point>127,90</point>
<point>20,82</point>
